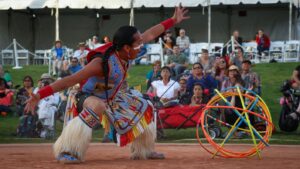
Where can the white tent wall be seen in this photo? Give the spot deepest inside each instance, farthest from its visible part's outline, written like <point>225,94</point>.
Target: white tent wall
<point>77,25</point>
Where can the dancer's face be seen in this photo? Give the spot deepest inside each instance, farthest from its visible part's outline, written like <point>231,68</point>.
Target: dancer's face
<point>136,46</point>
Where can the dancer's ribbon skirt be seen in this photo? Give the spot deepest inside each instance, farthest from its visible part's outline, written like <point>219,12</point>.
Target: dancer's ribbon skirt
<point>130,115</point>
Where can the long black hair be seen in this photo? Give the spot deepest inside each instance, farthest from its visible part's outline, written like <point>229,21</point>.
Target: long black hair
<point>123,36</point>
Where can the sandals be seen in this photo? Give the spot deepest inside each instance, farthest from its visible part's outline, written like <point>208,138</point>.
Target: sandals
<point>67,159</point>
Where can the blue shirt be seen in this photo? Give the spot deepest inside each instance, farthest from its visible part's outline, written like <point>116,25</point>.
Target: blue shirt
<point>59,53</point>
<point>74,69</point>
<point>207,82</point>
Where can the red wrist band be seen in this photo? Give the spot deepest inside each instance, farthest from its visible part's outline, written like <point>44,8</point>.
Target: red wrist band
<point>168,23</point>
<point>45,92</point>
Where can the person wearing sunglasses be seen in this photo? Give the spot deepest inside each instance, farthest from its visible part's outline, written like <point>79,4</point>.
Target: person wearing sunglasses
<point>207,81</point>
<point>100,100</point>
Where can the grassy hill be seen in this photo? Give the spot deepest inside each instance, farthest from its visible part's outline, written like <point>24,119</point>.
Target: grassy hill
<point>272,76</point>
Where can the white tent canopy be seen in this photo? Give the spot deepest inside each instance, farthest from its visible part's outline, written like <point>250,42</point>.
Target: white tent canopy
<point>115,4</point>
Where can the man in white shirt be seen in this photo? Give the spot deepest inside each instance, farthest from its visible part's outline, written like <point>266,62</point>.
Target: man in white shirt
<point>81,53</point>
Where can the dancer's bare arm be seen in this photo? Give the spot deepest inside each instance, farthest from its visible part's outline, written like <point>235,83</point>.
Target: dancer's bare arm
<point>155,31</point>
<point>92,69</point>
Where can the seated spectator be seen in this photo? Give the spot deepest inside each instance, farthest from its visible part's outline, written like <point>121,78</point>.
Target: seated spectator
<point>81,53</point>
<point>177,61</point>
<point>251,79</point>
<point>59,54</point>
<point>95,43</point>
<point>206,62</point>
<point>263,42</point>
<point>221,71</point>
<point>166,89</point>
<point>229,81</point>
<point>183,42</point>
<point>198,97</point>
<point>295,83</point>
<point>6,98</point>
<point>207,81</point>
<point>183,94</point>
<point>169,42</point>
<point>154,74</point>
<point>105,40</point>
<point>23,94</point>
<point>75,66</point>
<point>238,59</point>
<point>6,76</point>
<point>237,38</point>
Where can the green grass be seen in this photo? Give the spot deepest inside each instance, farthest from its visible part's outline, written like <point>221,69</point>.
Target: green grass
<point>272,76</point>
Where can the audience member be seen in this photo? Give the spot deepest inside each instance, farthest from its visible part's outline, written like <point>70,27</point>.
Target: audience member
<point>95,43</point>
<point>169,42</point>
<point>206,61</point>
<point>166,89</point>
<point>105,40</point>
<point>230,80</point>
<point>183,94</point>
<point>198,97</point>
<point>263,42</point>
<point>251,79</point>
<point>6,98</point>
<point>74,66</point>
<point>6,75</point>
<point>177,61</point>
<point>23,94</point>
<point>81,53</point>
<point>207,81</point>
<point>238,59</point>
<point>59,54</point>
<point>237,38</point>
<point>221,71</point>
<point>154,74</point>
<point>183,42</point>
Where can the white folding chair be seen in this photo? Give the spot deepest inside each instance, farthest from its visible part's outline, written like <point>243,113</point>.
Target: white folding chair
<point>7,57</point>
<point>291,51</point>
<point>276,51</point>
<point>23,57</point>
<point>196,50</point>
<point>250,51</point>
<point>154,51</point>
<point>216,48</point>
<point>39,57</point>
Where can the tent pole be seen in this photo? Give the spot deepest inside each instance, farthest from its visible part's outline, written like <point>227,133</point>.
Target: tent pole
<point>131,19</point>
<point>57,21</point>
<point>290,20</point>
<point>209,24</point>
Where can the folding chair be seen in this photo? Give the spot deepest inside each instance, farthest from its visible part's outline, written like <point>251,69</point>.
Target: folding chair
<point>291,51</point>
<point>250,51</point>
<point>276,51</point>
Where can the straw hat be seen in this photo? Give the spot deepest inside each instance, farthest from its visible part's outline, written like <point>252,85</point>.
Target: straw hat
<point>46,76</point>
<point>233,67</point>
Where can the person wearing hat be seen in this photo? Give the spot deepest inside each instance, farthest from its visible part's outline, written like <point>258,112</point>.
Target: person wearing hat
<point>81,53</point>
<point>251,78</point>
<point>59,54</point>
<point>232,72</point>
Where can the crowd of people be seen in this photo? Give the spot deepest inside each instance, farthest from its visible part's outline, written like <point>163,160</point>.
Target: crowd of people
<point>173,83</point>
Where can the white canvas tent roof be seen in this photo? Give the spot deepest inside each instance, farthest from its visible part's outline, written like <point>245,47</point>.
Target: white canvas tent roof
<point>115,4</point>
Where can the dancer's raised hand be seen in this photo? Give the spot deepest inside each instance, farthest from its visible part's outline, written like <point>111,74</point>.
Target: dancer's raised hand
<point>180,14</point>
<point>31,103</point>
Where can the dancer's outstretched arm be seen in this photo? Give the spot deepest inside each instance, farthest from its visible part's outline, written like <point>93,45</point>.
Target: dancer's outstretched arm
<point>91,69</point>
<point>155,31</point>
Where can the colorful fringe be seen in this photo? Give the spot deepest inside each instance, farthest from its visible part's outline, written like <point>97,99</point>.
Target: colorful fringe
<point>128,137</point>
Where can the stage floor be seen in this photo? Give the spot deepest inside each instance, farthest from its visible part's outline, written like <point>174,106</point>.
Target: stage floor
<point>109,156</point>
